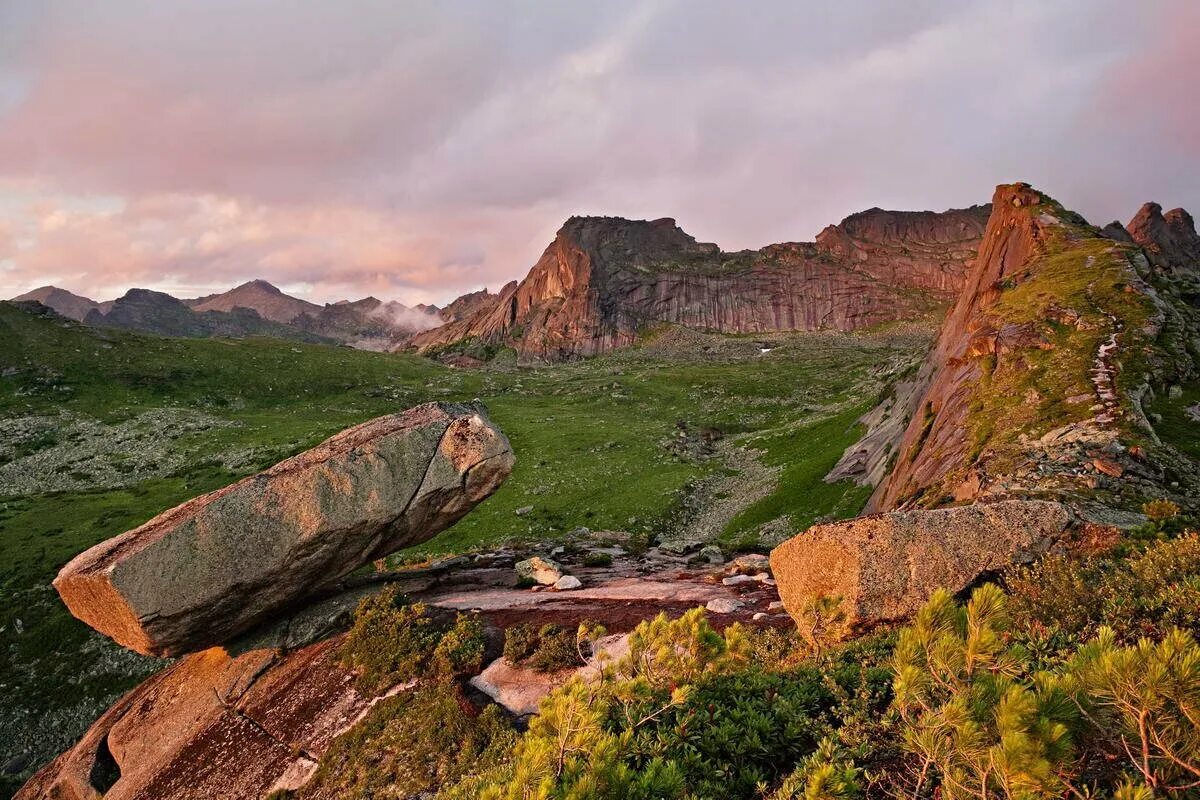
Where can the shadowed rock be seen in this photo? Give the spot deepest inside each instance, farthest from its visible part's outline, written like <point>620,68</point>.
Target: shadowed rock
<point>215,566</point>
<point>884,567</point>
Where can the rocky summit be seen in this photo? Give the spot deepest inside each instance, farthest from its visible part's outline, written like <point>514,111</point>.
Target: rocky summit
<point>215,566</point>
<point>604,281</point>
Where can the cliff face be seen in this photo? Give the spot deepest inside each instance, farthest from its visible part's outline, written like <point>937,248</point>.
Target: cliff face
<point>604,279</point>
<point>1038,377</point>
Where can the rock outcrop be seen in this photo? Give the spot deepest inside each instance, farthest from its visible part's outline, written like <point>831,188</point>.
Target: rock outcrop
<point>604,280</point>
<point>884,567</point>
<point>1025,386</point>
<point>217,565</point>
<point>1170,239</point>
<point>213,726</point>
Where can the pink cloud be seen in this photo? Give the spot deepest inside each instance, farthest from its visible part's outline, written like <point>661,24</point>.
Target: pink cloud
<point>415,152</point>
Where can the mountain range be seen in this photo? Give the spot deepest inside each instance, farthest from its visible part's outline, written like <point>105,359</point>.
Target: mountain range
<point>255,308</point>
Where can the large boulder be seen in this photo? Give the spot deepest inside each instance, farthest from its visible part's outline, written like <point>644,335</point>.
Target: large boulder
<point>885,566</point>
<point>217,565</point>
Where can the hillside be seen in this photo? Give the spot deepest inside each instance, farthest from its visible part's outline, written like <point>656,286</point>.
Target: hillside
<point>104,428</point>
<point>1039,456</point>
<point>604,280</point>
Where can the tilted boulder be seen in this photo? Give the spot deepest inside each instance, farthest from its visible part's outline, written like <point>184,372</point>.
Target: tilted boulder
<point>885,566</point>
<point>217,565</point>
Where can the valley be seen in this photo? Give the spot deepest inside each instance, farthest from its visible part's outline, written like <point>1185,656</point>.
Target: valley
<point>107,428</point>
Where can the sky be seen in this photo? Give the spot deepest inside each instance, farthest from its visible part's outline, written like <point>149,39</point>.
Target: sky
<point>415,151</point>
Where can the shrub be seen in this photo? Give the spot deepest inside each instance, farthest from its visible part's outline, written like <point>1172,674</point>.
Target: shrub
<point>688,713</point>
<point>550,648</point>
<point>828,774</point>
<point>597,560</point>
<point>411,743</point>
<point>1146,699</point>
<point>1059,602</point>
<point>976,724</point>
<point>1160,512</point>
<point>982,723</point>
<point>392,642</point>
<point>519,642</point>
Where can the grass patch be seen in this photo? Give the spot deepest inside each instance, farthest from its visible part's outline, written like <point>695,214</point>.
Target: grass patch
<point>806,455</point>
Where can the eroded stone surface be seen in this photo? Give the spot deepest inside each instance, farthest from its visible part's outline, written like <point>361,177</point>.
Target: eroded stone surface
<point>211,727</point>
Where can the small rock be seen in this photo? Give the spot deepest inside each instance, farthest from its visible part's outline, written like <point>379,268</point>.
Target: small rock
<point>567,582</point>
<point>723,605</point>
<point>523,510</point>
<point>679,547</point>
<point>1108,467</point>
<point>734,580</point>
<point>775,605</point>
<point>581,531</point>
<point>539,570</point>
<point>758,615</point>
<point>751,563</point>
<point>712,554</point>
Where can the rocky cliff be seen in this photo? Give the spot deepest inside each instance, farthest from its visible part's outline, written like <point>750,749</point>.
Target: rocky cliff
<point>1037,382</point>
<point>603,280</point>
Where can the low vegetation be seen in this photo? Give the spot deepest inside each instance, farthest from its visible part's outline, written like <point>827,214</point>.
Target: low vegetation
<point>549,648</point>
<point>1076,678</point>
<point>593,440</point>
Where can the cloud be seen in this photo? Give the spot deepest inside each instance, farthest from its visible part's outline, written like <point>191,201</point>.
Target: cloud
<point>418,152</point>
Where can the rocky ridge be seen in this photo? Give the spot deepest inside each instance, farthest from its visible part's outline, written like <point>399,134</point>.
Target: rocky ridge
<point>1041,369</point>
<point>604,280</point>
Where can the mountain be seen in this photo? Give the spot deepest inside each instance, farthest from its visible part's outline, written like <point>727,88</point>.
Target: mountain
<point>266,299</point>
<point>465,305</point>
<point>1042,373</point>
<point>369,324</point>
<point>255,308</point>
<point>604,280</point>
<point>70,305</point>
<point>162,314</point>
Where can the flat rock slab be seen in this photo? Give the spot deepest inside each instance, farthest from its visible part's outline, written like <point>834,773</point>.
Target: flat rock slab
<point>886,566</point>
<point>217,565</point>
<point>212,727</point>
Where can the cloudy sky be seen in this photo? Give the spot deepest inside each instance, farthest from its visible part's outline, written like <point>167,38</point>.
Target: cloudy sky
<point>418,150</point>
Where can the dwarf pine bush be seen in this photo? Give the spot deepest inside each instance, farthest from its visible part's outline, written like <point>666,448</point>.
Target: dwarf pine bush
<point>981,722</point>
<point>977,723</point>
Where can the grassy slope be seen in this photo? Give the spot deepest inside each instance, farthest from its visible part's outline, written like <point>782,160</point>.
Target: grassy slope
<point>589,437</point>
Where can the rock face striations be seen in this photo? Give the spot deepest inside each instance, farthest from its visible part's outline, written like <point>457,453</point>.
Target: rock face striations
<point>604,280</point>
<point>217,565</point>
